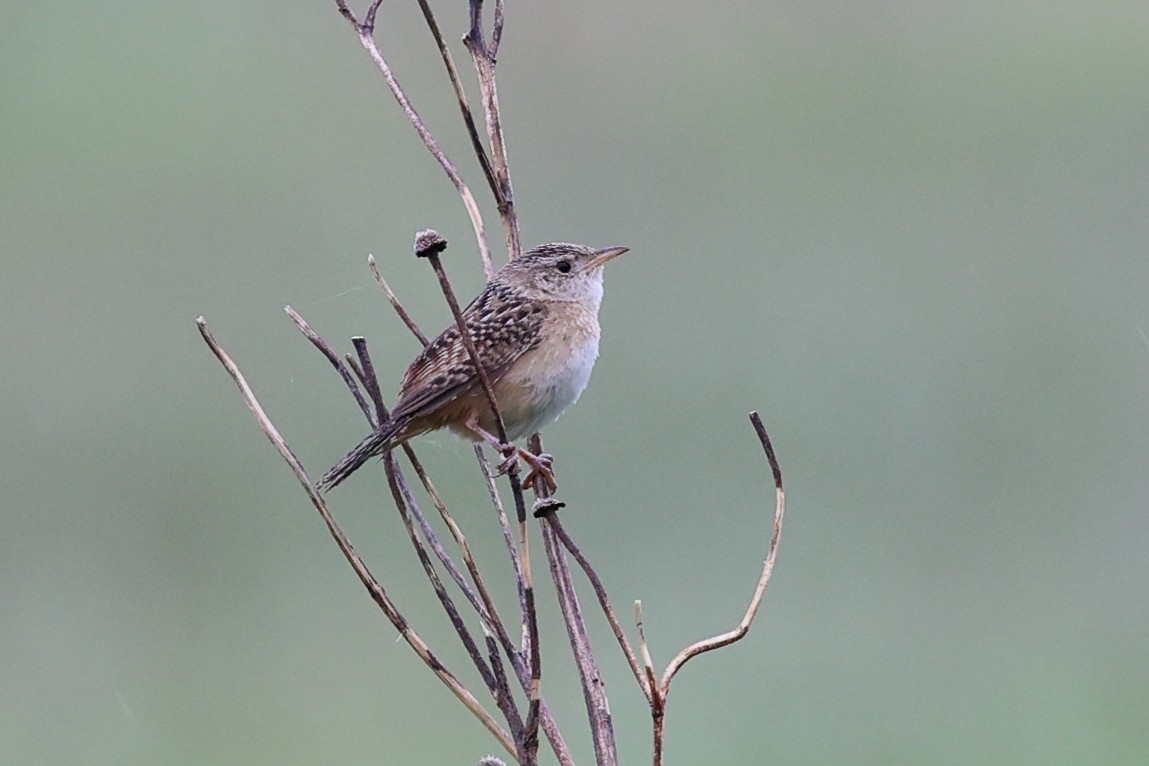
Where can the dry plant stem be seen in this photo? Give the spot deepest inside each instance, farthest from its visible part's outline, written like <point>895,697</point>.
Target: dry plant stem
<point>404,317</point>
<point>483,58</point>
<point>371,383</point>
<point>366,33</point>
<point>600,593</point>
<point>408,508</point>
<point>374,588</point>
<point>366,371</point>
<point>743,627</point>
<point>432,255</point>
<point>487,610</point>
<point>598,709</point>
<point>332,357</point>
<point>464,107</point>
<point>594,695</point>
<point>495,678</point>
<point>515,654</point>
<point>504,524</point>
<point>431,252</point>
<point>456,532</point>
<point>496,31</point>
<point>505,701</point>
<point>647,662</point>
<point>526,606</point>
<point>538,712</point>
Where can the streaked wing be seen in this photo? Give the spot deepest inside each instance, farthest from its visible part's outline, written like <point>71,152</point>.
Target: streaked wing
<point>503,327</point>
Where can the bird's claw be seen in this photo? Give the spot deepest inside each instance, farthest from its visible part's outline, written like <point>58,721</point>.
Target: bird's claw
<point>542,465</point>
<point>510,462</point>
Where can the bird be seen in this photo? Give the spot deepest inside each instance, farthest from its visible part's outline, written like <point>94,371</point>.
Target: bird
<point>536,333</point>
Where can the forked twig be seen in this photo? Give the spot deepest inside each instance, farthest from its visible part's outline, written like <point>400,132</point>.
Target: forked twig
<point>366,34</point>
<point>661,690</point>
<point>464,107</point>
<point>483,57</point>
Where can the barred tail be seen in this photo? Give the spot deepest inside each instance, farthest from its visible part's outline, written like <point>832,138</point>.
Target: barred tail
<point>377,443</point>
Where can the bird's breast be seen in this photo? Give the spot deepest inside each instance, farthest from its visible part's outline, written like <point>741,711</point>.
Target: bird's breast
<point>549,378</point>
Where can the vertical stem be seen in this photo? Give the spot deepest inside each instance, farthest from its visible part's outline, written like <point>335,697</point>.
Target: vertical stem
<point>597,707</point>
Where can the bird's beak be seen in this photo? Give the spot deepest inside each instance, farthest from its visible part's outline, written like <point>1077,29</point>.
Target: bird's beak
<point>604,255</point>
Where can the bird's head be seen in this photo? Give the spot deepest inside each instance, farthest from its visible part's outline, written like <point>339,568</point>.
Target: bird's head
<point>562,272</point>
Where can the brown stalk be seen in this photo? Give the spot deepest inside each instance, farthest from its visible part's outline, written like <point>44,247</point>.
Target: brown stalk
<point>483,57</point>
<point>594,693</point>
<point>394,301</point>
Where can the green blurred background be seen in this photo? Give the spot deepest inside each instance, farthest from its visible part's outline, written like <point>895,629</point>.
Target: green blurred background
<point>913,235</point>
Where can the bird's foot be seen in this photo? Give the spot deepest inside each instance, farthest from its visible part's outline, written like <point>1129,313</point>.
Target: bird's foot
<point>542,466</point>
<point>510,461</point>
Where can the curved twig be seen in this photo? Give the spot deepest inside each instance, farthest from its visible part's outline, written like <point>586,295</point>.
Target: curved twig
<point>724,639</point>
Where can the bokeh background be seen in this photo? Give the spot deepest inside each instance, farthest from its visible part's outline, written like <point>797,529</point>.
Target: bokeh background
<point>913,235</point>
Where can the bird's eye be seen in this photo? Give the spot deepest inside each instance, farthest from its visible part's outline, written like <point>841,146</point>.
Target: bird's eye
<point>563,266</point>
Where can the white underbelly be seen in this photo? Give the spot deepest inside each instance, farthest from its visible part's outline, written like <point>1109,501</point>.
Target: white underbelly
<point>556,377</point>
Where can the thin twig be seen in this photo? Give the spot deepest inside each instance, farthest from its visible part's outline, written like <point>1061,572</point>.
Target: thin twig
<point>482,602</point>
<point>597,707</point>
<point>369,20</point>
<point>464,107</point>
<point>496,31</point>
<point>604,602</point>
<point>332,357</point>
<point>483,59</point>
<point>504,525</point>
<point>376,591</point>
<point>366,373</point>
<point>428,244</point>
<point>485,610</point>
<point>395,303</point>
<point>647,662</point>
<point>594,695</point>
<point>366,369</point>
<point>347,14</point>
<point>528,678</point>
<point>504,700</point>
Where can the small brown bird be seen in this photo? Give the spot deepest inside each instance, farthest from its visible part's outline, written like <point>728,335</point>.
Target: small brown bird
<point>535,328</point>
